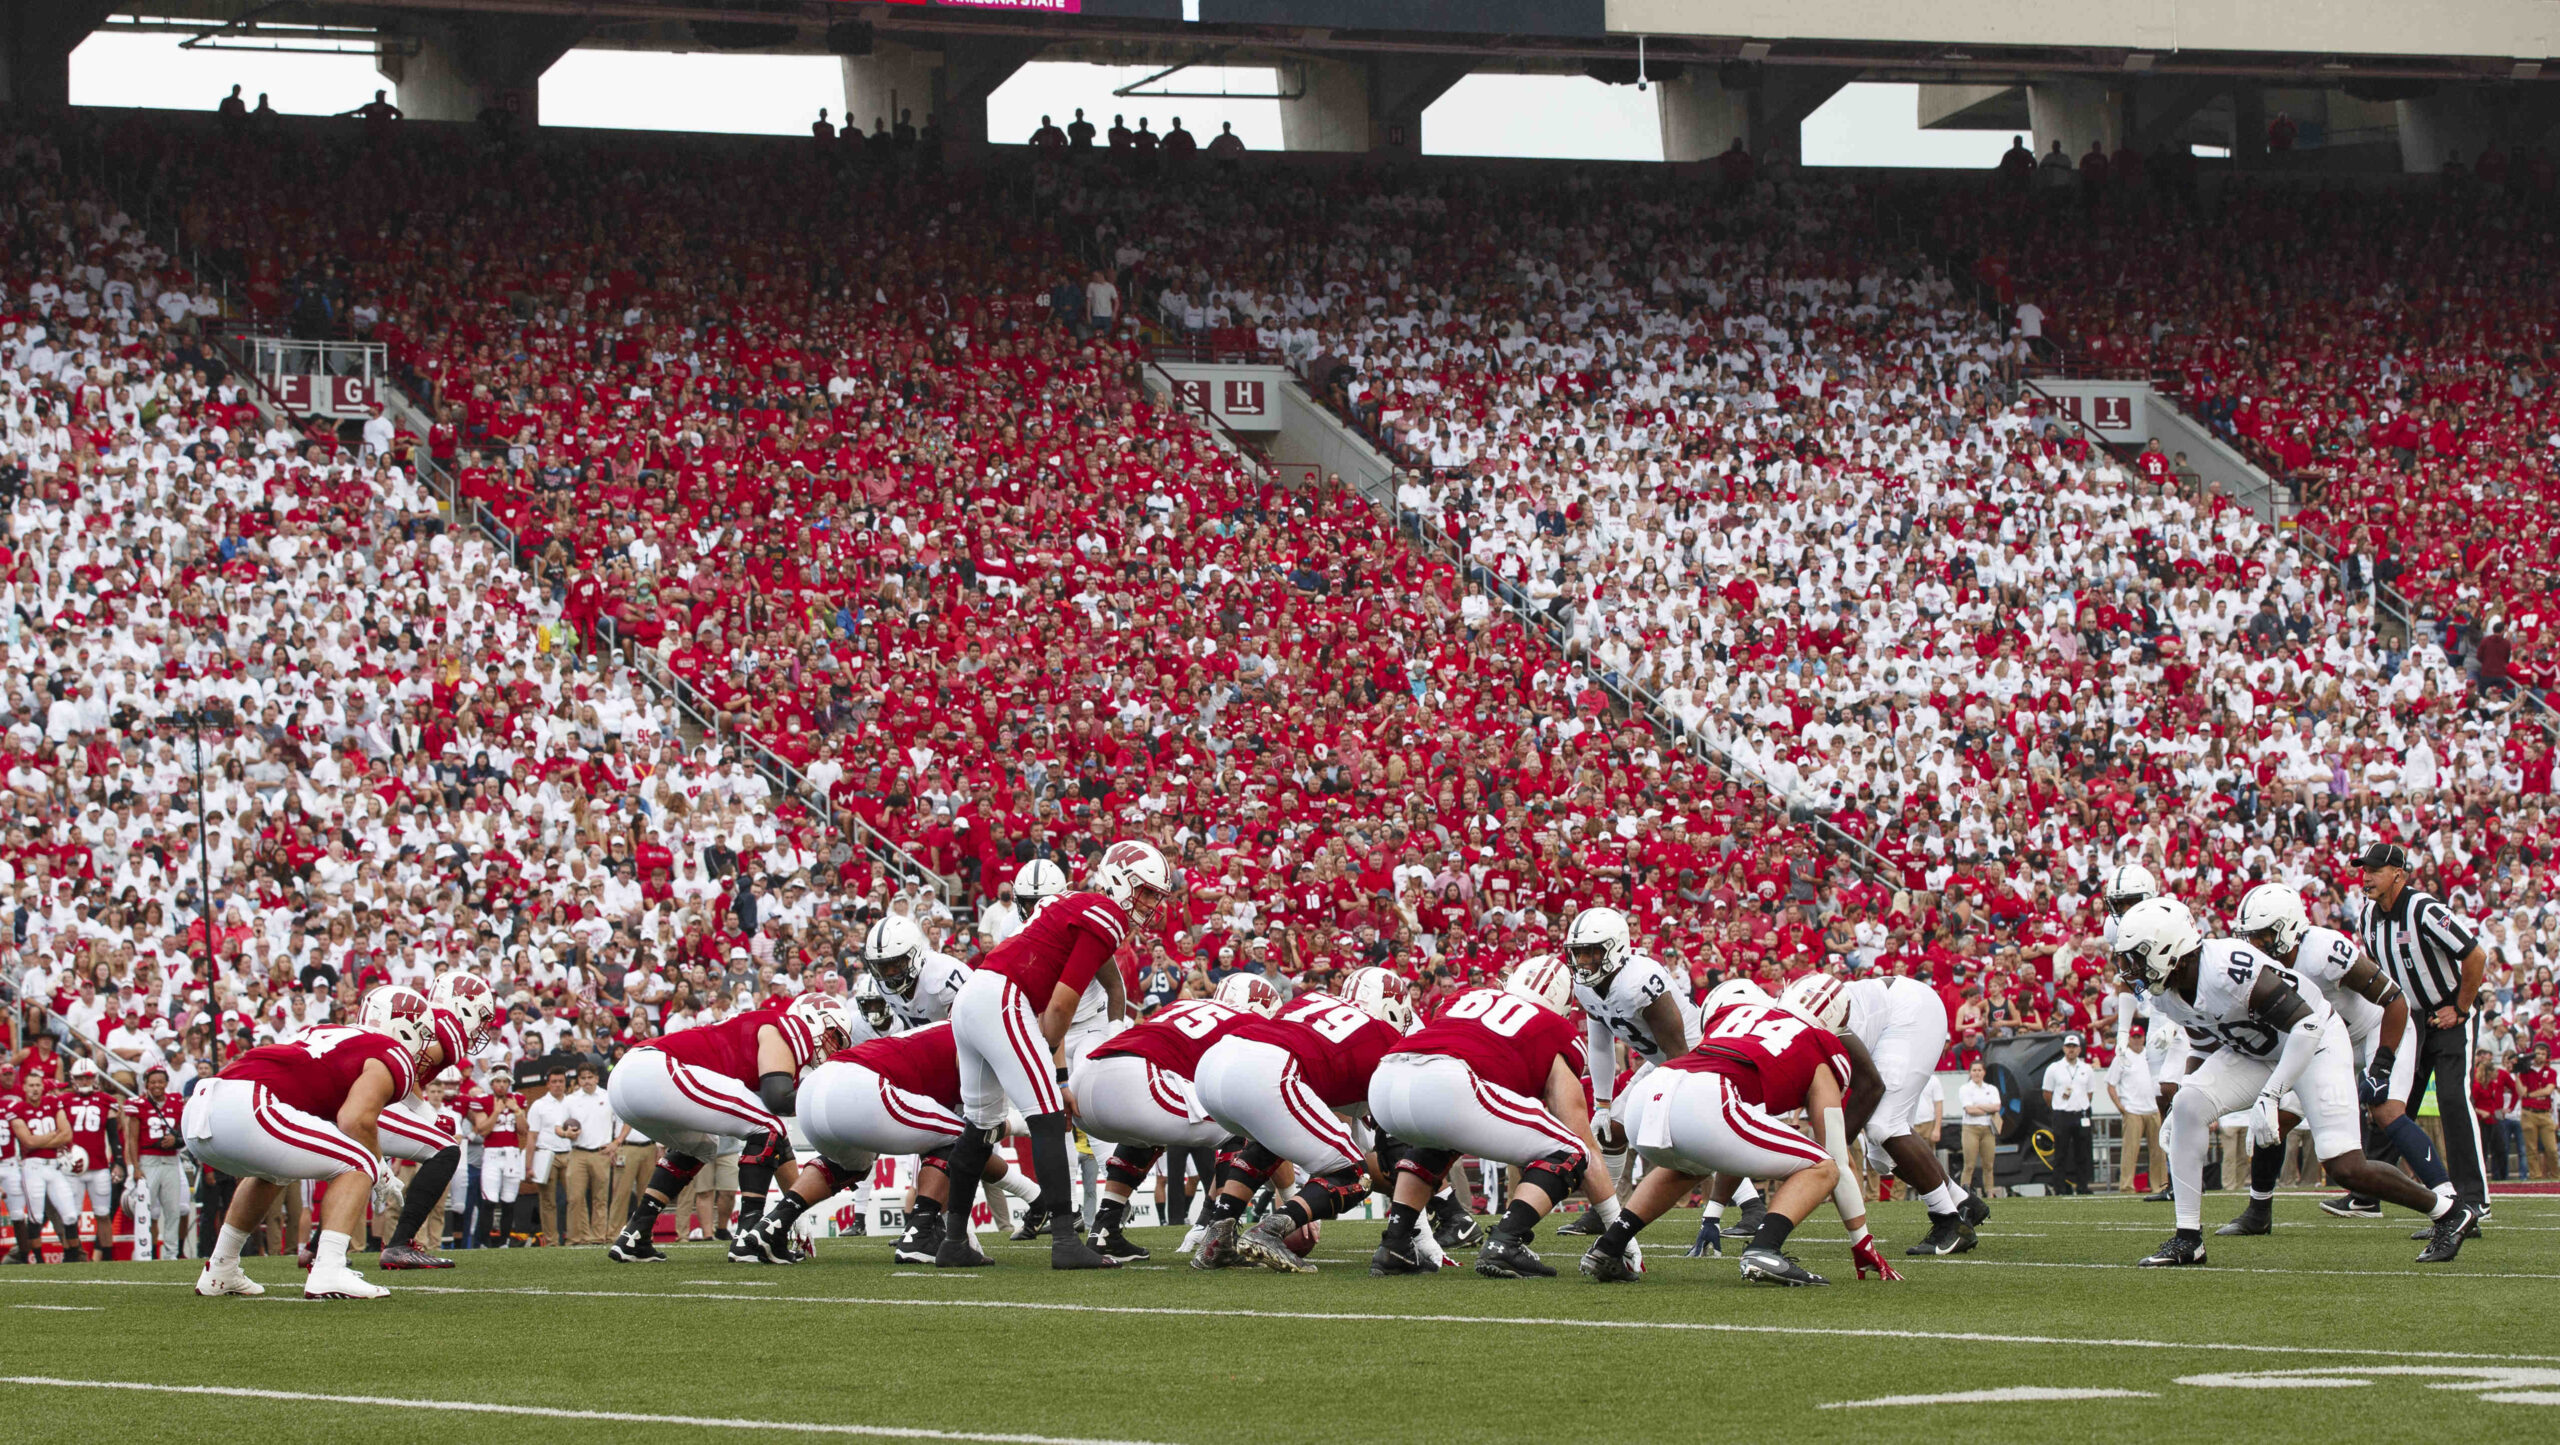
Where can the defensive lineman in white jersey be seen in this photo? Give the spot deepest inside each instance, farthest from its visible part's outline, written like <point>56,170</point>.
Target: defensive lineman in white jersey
<point>916,981</point>
<point>2259,1032</point>
<point>1624,995</point>
<point>2376,1016</point>
<point>1903,1027</point>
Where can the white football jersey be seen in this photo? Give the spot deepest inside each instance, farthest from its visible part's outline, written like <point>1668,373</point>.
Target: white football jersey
<point>1621,1012</point>
<point>2323,958</point>
<point>938,977</point>
<point>2220,1015</point>
<point>1878,1005</point>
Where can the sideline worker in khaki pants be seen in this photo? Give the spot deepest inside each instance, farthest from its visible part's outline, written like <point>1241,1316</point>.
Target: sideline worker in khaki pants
<point>587,1169</point>
<point>1979,1101</point>
<point>2137,1097</point>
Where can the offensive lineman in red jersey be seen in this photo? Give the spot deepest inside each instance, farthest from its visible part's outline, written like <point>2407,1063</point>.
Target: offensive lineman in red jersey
<point>1295,1087</point>
<point>1715,1110</point>
<point>151,1140</point>
<point>1497,1075</point>
<point>1134,1089</point>
<point>89,1163</point>
<point>1010,1018</point>
<point>734,1079</point>
<point>304,1110</point>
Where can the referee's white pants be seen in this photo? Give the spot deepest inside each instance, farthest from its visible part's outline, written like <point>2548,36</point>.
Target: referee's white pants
<point>1002,1054</point>
<point>1254,1089</point>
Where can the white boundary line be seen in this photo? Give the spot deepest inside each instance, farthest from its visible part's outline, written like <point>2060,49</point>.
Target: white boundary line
<point>475,1407</point>
<point>1382,1317</point>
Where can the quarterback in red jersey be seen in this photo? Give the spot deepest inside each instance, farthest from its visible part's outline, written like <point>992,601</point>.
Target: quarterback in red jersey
<point>1009,1020</point>
<point>1134,1089</point>
<point>151,1140</point>
<point>896,1094</point>
<point>735,1079</point>
<point>1497,1075</point>
<point>308,1109</point>
<point>1716,1110</point>
<point>1296,1087</point>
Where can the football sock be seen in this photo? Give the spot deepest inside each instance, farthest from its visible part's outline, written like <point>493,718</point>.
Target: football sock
<point>1227,1206</point>
<point>1300,1214</point>
<point>1621,1232</point>
<point>2264,1165</point>
<point>1402,1220</point>
<point>2416,1151</point>
<point>1744,1191</point>
<point>329,1251</point>
<point>643,1219</point>
<point>1109,1213</point>
<point>785,1213</point>
<point>227,1245</point>
<point>755,1181</point>
<point>1089,1175</point>
<point>2443,1206</point>
<point>2191,1236</point>
<point>1519,1220</point>
<point>1773,1231</point>
<point>426,1193</point>
<point>1715,1212</point>
<point>968,1160</point>
<point>1943,1199</point>
<point>1019,1185</point>
<point>1049,1162</point>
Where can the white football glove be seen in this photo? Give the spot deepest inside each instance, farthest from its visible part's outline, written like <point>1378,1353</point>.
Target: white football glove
<point>2264,1127</point>
<point>388,1192</point>
<point>1635,1255</point>
<point>1426,1248</point>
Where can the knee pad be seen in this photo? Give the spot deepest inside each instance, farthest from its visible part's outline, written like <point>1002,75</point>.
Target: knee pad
<point>939,1159</point>
<point>1130,1166</point>
<point>1559,1174</point>
<point>1328,1195</point>
<point>763,1151</point>
<point>1427,1164</point>
<point>672,1174</point>
<point>1250,1165</point>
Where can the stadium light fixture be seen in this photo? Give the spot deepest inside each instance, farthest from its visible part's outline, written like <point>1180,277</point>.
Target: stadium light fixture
<point>2525,70</point>
<point>2140,61</point>
<point>1754,50</point>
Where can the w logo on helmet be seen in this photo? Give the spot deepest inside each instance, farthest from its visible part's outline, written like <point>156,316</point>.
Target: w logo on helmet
<point>1127,854</point>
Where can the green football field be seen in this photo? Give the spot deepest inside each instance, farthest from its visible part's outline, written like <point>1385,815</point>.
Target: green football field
<point>2327,1328</point>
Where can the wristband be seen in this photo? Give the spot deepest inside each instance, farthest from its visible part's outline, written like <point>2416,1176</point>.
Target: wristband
<point>1062,1073</point>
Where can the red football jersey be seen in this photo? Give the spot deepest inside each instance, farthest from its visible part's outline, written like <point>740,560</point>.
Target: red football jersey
<point>924,1062</point>
<point>1508,1040</point>
<point>1337,1046</point>
<point>1175,1038</point>
<point>88,1114</point>
<point>37,1119</point>
<point>315,1072</point>
<point>156,1122</point>
<point>1068,942</point>
<point>728,1048</point>
<point>502,1119</point>
<point>1769,1051</point>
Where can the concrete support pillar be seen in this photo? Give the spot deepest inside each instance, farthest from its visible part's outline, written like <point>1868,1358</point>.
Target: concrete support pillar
<point>1367,105</point>
<point>947,86</point>
<point>482,62</point>
<point>2248,126</point>
<point>36,41</point>
<point>2074,112</point>
<point>2441,127</point>
<point>1700,118</point>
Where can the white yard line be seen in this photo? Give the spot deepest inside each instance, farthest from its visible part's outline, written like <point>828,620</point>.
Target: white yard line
<point>1993,1397</point>
<point>63,1309</point>
<point>2209,1269</point>
<point>805,1427</point>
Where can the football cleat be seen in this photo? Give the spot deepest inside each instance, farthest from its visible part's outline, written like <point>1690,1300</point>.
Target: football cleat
<point>1710,1241</point>
<point>2352,1206</point>
<point>762,1246</point>
<point>1768,1266</point>
<point>921,1241</point>
<point>1747,1223</point>
<point>72,1253</point>
<point>2179,1251</point>
<point>222,1279</point>
<point>1608,1268</point>
<point>340,1282</point>
<point>2459,1223</point>
<point>1948,1234</point>
<point>1505,1258</point>
<point>2160,1195</point>
<point>1391,1260</point>
<point>1217,1245</point>
<point>1069,1251</point>
<point>958,1250</point>
<point>1454,1225</point>
<point>1267,1244</point>
<point>2258,1217</point>
<point>1973,1211</point>
<point>1585,1223</point>
<point>1113,1242</point>
<point>2473,1232</point>
<point>1035,1223</point>
<point>633,1247</point>
<point>409,1256</point>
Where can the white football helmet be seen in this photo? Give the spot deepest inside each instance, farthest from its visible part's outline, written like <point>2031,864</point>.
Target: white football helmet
<point>2128,884</point>
<point>1134,874</point>
<point>1035,883</point>
<point>468,997</point>
<point>2151,938</point>
<point>399,1012</point>
<point>894,951</point>
<point>828,1017</point>
<point>1250,992</point>
<point>1599,945</point>
<point>75,1160</point>
<point>1733,991</point>
<point>1820,997</point>
<point>872,1002</point>
<point>2272,918</point>
<point>1381,994</point>
<point>1544,979</point>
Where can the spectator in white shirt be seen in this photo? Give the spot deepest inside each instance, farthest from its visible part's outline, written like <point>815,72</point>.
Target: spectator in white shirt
<point>546,1116</point>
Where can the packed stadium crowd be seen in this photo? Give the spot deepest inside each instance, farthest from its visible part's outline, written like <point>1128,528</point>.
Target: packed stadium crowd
<point>897,505</point>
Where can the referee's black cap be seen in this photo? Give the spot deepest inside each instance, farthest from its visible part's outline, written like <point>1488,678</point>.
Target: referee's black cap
<point>2384,855</point>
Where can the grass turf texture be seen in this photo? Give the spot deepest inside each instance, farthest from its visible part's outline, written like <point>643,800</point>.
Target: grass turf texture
<point>851,1339</point>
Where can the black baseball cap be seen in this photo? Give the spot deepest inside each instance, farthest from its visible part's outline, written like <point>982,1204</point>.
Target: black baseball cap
<point>2384,855</point>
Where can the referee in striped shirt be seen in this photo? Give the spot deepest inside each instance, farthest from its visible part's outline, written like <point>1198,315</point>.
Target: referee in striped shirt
<point>2439,963</point>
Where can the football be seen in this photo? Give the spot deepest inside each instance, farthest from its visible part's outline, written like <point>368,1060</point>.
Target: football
<point>1303,1243</point>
